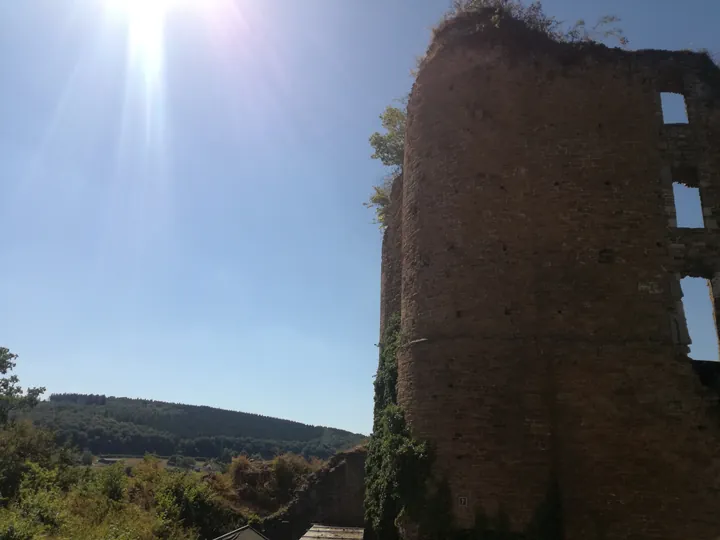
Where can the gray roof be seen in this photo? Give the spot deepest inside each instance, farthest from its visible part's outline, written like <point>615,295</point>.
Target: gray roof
<point>236,533</point>
<point>325,532</point>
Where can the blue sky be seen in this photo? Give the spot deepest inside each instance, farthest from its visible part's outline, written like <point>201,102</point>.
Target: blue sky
<point>181,212</point>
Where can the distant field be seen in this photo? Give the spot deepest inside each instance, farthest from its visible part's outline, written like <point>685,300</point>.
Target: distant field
<point>131,461</point>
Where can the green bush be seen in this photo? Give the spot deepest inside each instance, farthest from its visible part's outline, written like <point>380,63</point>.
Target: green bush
<point>14,527</point>
<point>389,148</point>
<point>45,494</point>
<point>40,499</point>
<point>288,470</point>
<point>186,462</point>
<point>86,458</point>
<point>396,466</point>
<point>112,481</point>
<point>21,443</point>
<point>181,498</point>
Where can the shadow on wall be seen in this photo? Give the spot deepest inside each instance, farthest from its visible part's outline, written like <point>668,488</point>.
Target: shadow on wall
<point>709,375</point>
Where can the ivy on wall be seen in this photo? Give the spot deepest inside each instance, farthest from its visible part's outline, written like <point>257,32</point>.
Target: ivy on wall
<point>399,487</point>
<point>397,466</point>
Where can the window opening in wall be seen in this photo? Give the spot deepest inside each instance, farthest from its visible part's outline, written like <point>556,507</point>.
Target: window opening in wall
<point>699,310</point>
<point>674,108</point>
<point>688,206</point>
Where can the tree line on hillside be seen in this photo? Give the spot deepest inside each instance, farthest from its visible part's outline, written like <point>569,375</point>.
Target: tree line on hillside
<point>55,491</point>
<point>111,425</point>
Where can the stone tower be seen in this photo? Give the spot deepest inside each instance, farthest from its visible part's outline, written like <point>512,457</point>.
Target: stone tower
<point>533,255</point>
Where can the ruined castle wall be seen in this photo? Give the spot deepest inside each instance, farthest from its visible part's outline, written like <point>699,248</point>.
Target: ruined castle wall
<point>539,273</point>
<point>334,495</point>
<point>390,278</point>
<point>343,493</point>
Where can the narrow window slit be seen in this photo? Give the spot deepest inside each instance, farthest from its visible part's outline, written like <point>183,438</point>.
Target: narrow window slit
<point>688,206</point>
<point>674,108</point>
<point>698,304</point>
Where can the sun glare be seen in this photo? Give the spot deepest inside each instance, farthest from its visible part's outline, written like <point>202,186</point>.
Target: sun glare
<point>145,21</point>
<point>146,25</point>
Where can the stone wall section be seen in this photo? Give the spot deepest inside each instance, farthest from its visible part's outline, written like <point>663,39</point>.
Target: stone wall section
<point>390,282</point>
<point>332,496</point>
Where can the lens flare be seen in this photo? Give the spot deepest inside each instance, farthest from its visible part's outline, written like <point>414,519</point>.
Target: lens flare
<point>146,30</point>
<point>145,23</point>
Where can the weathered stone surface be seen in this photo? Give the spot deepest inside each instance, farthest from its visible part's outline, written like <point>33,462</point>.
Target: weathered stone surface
<point>333,496</point>
<point>390,281</point>
<point>538,266</point>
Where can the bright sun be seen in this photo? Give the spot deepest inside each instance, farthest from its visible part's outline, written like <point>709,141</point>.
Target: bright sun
<point>145,21</point>
<point>144,24</point>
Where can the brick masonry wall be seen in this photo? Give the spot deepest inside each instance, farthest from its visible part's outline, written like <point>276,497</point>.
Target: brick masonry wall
<point>390,281</point>
<point>539,284</point>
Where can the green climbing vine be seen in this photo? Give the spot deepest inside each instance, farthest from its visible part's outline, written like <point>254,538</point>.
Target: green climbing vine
<point>398,483</point>
<point>397,465</point>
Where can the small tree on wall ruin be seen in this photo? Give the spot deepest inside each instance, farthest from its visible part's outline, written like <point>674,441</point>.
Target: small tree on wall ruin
<point>389,146</point>
<point>390,150</point>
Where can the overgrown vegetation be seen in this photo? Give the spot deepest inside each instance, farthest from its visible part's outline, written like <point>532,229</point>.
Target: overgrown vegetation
<point>397,466</point>
<point>533,16</point>
<point>390,150</point>
<point>268,486</point>
<point>110,425</point>
<point>143,502</point>
<point>389,145</point>
<point>12,397</point>
<point>52,491</point>
<point>399,486</point>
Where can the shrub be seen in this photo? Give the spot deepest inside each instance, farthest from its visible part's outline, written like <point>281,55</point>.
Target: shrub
<point>43,507</point>
<point>534,17</point>
<point>112,481</point>
<point>289,470</point>
<point>238,467</point>
<point>21,443</point>
<point>86,458</point>
<point>389,148</point>
<point>14,527</point>
<point>186,462</point>
<point>316,464</point>
<point>181,498</point>
<point>146,477</point>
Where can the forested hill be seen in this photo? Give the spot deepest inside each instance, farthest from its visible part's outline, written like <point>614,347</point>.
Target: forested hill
<point>112,425</point>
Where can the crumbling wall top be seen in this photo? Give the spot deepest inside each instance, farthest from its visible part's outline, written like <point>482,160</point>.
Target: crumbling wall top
<point>474,29</point>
